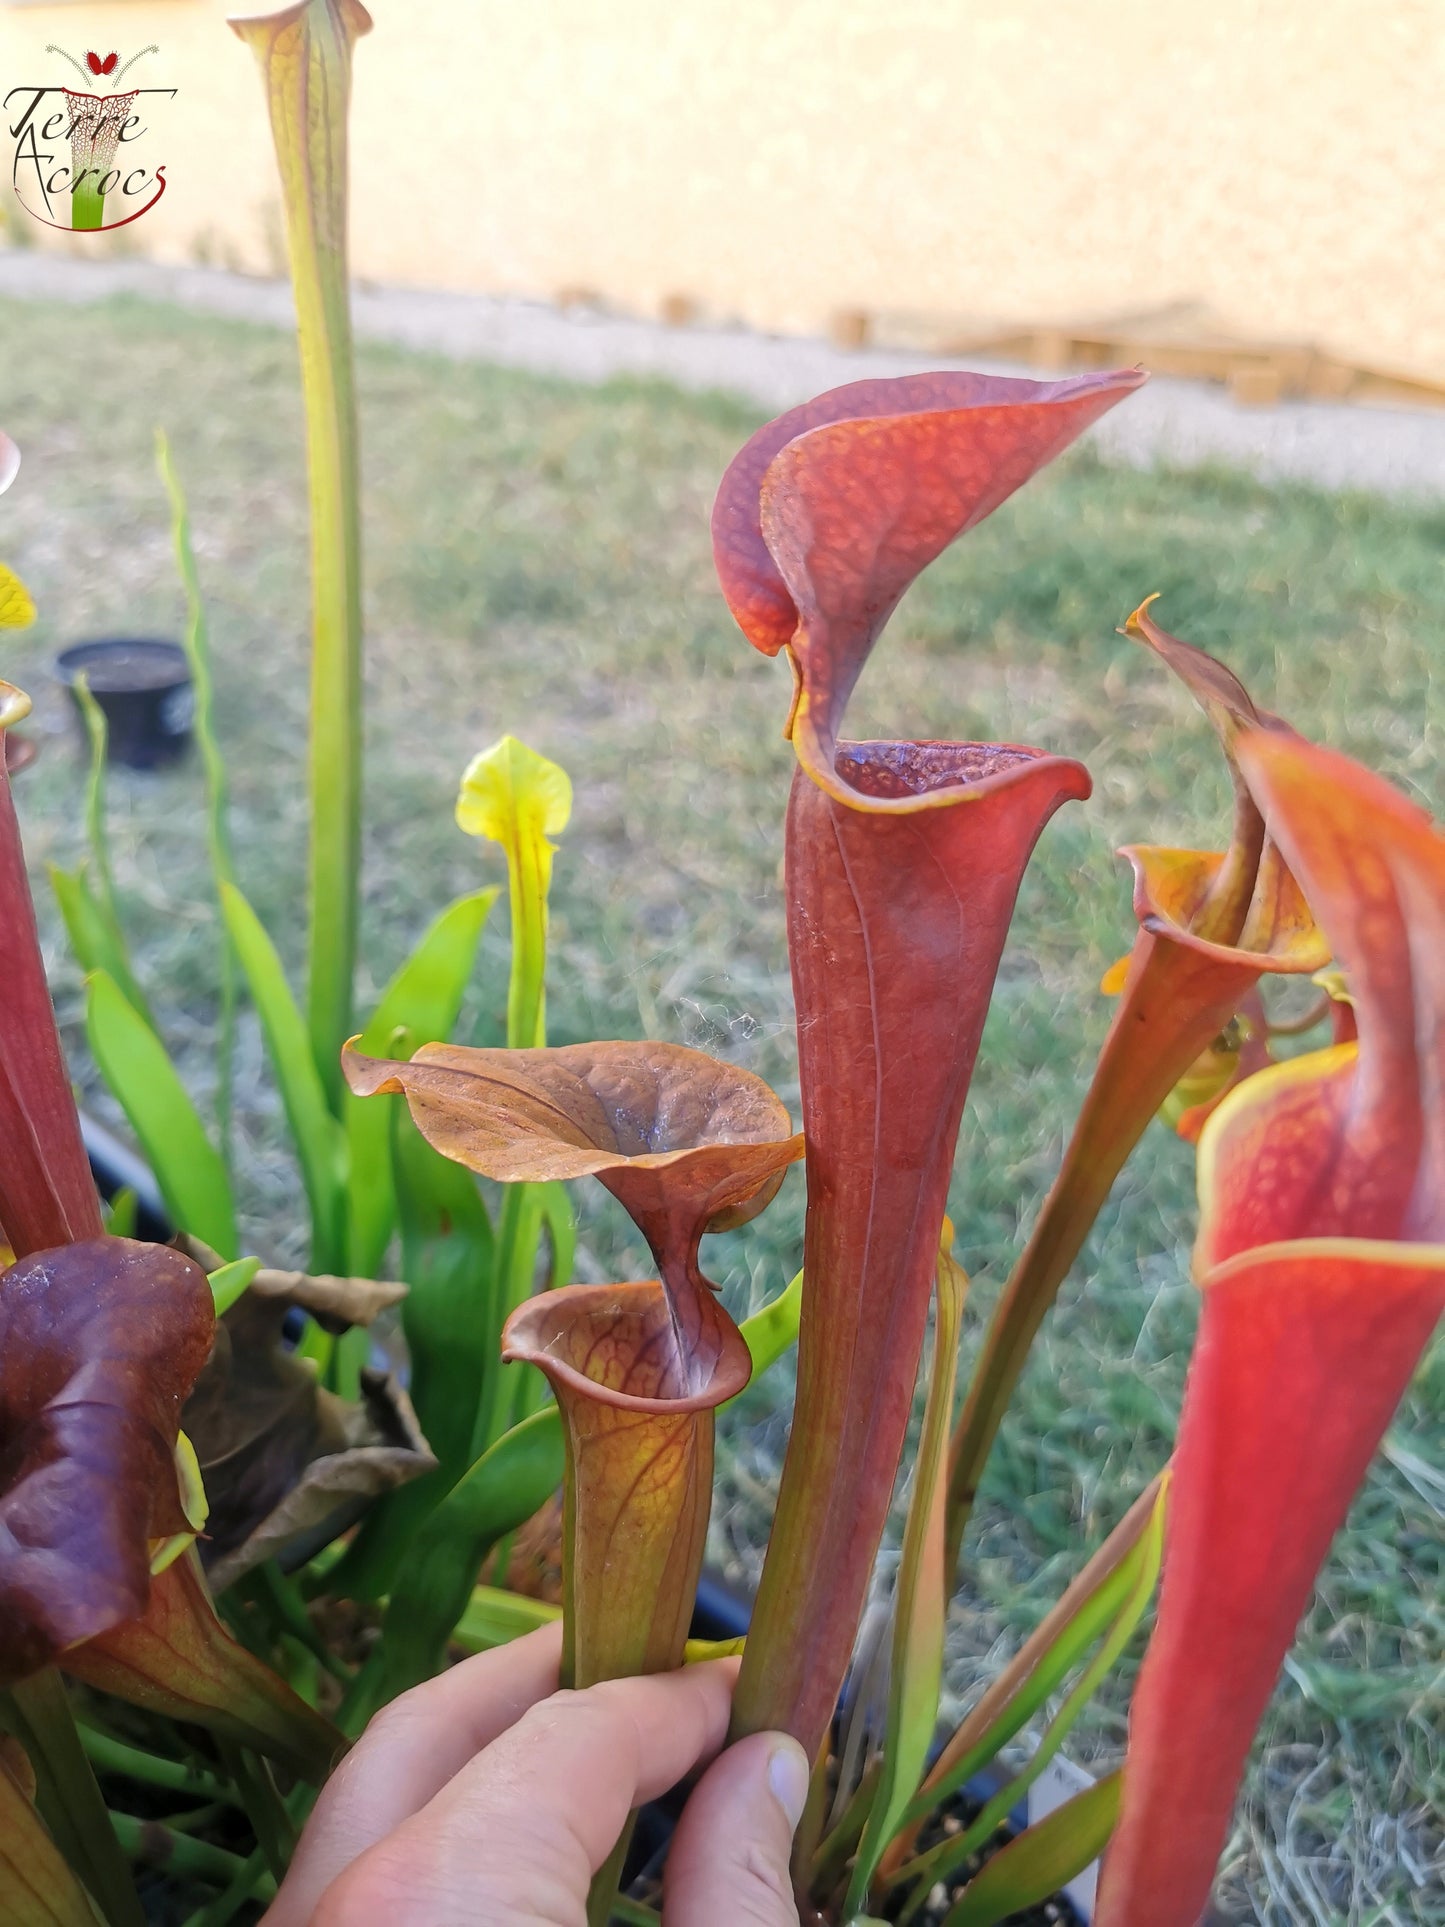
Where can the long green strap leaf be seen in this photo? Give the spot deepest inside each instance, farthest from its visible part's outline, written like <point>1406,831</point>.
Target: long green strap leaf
<point>494,1617</point>
<point>916,1674</point>
<point>229,1282</point>
<point>941,1861</point>
<point>447,1258</point>
<point>774,1328</point>
<point>92,935</point>
<point>96,833</point>
<point>37,1887</point>
<point>423,1000</point>
<point>504,1488</point>
<point>1042,1859</point>
<point>115,951</point>
<point>1085,1610</point>
<point>1093,1619</point>
<point>134,1063</point>
<point>37,1711</point>
<point>305,58</point>
<point>318,1138</point>
<point>218,840</point>
<point>553,1214</point>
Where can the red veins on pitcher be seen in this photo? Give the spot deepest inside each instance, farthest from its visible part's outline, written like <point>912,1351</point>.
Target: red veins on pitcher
<point>1211,924</point>
<point>1321,1260</point>
<point>903,865</point>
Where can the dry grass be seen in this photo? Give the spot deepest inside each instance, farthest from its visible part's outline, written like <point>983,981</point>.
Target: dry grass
<point>537,561</point>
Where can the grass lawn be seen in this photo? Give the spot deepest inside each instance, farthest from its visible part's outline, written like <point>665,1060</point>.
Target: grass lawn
<point>537,561</point>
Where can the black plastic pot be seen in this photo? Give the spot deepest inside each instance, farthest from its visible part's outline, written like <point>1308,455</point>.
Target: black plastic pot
<point>115,1169</point>
<point>143,687</point>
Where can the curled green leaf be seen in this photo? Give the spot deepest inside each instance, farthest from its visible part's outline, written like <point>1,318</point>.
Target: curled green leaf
<point>137,1067</point>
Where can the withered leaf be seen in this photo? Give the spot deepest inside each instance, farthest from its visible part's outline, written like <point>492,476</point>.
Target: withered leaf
<point>288,1465</point>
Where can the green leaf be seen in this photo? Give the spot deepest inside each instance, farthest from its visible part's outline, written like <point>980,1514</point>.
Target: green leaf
<point>37,1887</point>
<point>218,842</point>
<point>304,54</point>
<point>943,1860</point>
<point>551,1211</point>
<point>121,1213</point>
<point>1088,1606</point>
<point>229,1281</point>
<point>96,919</point>
<point>93,937</point>
<point>1043,1859</point>
<point>504,1488</point>
<point>447,1258</point>
<point>632,1913</point>
<point>95,826</point>
<point>133,1062</point>
<point>494,1617</point>
<point>561,1228</point>
<point>514,1269</point>
<point>37,1711</point>
<point>916,1674</point>
<point>318,1138</point>
<point>423,1000</point>
<point>772,1330</point>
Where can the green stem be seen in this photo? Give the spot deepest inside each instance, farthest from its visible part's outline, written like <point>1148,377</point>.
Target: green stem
<point>197,1818</point>
<point>151,1844</point>
<point>97,836</point>
<point>37,1711</point>
<point>830,1862</point>
<point>293,1618</point>
<point>494,1399</point>
<point>109,1755</point>
<point>632,1913</point>
<point>269,1819</point>
<point>528,875</point>
<point>602,1894</point>
<point>245,1884</point>
<point>306,62</point>
<point>87,205</point>
<point>218,840</point>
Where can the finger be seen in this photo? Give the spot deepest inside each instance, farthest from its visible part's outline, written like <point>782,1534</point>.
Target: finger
<point>729,1857</point>
<point>406,1756</point>
<point>520,1830</point>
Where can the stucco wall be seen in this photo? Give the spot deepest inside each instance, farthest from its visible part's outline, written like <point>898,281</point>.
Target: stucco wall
<point>1282,161</point>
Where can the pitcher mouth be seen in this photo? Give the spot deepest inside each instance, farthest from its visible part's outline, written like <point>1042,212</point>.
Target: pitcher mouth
<point>902,769</point>
<point>619,1346</point>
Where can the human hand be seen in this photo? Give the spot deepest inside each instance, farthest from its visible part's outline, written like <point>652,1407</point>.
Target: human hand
<point>487,1797</point>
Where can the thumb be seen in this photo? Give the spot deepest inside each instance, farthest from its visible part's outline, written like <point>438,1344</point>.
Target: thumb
<point>729,1859</point>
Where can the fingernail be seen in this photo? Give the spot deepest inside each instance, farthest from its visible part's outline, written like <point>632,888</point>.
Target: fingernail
<point>788,1777</point>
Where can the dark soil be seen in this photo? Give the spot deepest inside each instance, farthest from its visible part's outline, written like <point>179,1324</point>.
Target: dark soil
<point>655,1826</point>
<point>955,1817</point>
